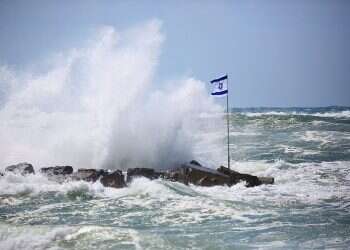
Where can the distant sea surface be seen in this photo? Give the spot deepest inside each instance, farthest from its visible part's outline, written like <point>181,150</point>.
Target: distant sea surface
<point>307,150</point>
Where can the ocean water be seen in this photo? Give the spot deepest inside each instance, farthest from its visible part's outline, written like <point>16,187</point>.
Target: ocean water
<point>307,150</point>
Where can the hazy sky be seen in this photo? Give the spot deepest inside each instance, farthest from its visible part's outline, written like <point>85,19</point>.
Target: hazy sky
<point>277,53</point>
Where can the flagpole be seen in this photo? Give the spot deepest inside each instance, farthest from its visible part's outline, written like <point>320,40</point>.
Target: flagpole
<point>228,128</point>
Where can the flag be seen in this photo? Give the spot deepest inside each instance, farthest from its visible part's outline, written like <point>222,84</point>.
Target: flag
<point>219,86</point>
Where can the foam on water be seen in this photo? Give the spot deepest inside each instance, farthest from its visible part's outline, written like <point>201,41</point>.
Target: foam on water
<point>33,185</point>
<point>60,237</point>
<point>323,137</point>
<point>157,204</point>
<point>335,114</point>
<point>27,237</point>
<point>295,181</point>
<point>135,217</point>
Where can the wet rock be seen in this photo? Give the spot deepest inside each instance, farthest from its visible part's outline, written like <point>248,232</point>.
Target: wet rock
<point>194,162</point>
<point>211,181</point>
<point>115,179</point>
<point>149,173</point>
<point>58,170</point>
<point>190,173</point>
<point>267,180</point>
<point>23,168</point>
<point>89,174</point>
<point>179,174</point>
<point>197,175</point>
<point>236,177</point>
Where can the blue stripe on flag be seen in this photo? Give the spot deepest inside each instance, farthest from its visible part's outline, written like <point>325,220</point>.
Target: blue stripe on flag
<point>220,93</point>
<point>219,79</point>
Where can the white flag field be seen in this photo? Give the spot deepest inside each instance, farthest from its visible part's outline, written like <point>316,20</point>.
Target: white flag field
<point>219,86</point>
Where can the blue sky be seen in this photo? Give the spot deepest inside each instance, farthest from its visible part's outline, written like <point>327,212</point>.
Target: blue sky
<point>277,53</point>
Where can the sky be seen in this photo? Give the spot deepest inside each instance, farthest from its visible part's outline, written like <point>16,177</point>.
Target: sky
<point>276,53</point>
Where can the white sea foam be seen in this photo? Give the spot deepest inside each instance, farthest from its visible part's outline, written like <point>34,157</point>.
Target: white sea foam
<point>324,137</point>
<point>81,237</point>
<point>317,136</point>
<point>244,133</point>
<point>311,152</point>
<point>306,182</point>
<point>258,114</point>
<point>339,114</point>
<point>30,238</point>
<point>98,106</point>
<point>335,114</point>
<point>293,179</point>
<point>290,149</point>
<point>171,206</point>
<point>33,185</point>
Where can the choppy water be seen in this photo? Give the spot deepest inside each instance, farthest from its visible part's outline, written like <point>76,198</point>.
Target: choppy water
<point>307,150</point>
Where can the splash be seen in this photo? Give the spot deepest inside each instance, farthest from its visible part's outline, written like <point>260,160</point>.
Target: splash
<point>98,106</point>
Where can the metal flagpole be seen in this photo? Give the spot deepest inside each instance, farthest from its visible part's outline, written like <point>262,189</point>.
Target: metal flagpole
<point>228,128</point>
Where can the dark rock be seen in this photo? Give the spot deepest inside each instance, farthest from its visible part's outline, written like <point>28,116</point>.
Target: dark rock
<point>267,180</point>
<point>211,181</point>
<point>21,168</point>
<point>89,174</point>
<point>115,179</point>
<point>194,162</point>
<point>236,177</point>
<point>142,172</point>
<point>58,170</point>
<point>198,175</point>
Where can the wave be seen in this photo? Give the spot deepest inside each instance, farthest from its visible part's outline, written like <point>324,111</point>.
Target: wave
<point>99,106</point>
<point>335,114</point>
<point>147,212</point>
<point>288,176</point>
<point>63,237</point>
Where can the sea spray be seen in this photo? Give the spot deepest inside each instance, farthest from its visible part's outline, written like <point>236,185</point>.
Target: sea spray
<point>160,132</point>
<point>98,106</point>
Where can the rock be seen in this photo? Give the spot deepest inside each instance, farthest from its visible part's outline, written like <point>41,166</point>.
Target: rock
<point>190,173</point>
<point>236,177</point>
<point>115,179</point>
<point>21,168</point>
<point>267,180</point>
<point>211,181</point>
<point>58,170</point>
<point>142,172</point>
<point>197,175</point>
<point>194,162</point>
<point>89,174</point>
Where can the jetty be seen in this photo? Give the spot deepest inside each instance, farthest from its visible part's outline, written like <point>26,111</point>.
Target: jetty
<point>187,173</point>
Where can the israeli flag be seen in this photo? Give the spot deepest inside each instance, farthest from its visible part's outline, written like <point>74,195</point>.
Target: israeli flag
<point>219,86</point>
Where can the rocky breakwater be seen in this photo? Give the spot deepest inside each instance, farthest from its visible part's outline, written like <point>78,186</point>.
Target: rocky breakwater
<point>23,168</point>
<point>188,173</point>
<point>194,173</point>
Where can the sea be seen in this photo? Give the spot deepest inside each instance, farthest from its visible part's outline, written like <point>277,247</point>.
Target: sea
<point>306,150</point>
